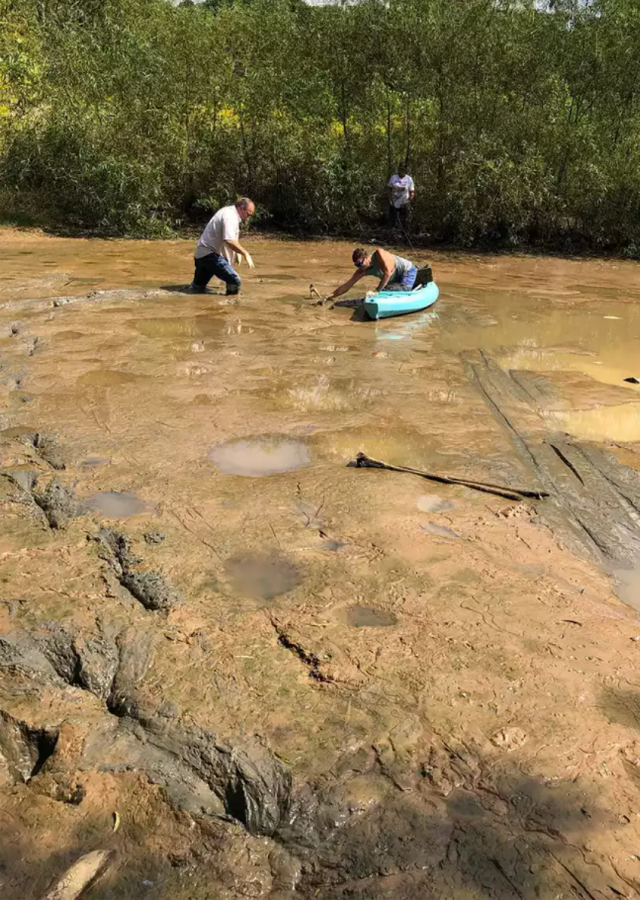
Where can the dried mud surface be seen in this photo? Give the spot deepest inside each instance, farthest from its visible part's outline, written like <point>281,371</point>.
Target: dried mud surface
<point>256,672</point>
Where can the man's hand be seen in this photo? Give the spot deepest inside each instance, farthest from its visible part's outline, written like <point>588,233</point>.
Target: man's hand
<point>250,262</point>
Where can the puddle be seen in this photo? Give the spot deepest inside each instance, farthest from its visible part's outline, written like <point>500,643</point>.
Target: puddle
<point>93,462</point>
<point>628,586</point>
<point>116,504</point>
<point>433,503</point>
<point>262,576</point>
<point>531,333</point>
<point>366,617</point>
<point>202,326</point>
<point>613,423</point>
<point>256,457</point>
<point>332,545</point>
<point>107,378</point>
<point>399,446</point>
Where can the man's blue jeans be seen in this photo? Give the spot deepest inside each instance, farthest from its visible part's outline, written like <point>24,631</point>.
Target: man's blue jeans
<point>214,264</point>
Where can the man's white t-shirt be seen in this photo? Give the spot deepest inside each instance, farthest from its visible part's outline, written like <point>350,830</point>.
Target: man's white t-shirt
<point>224,226</point>
<point>400,189</point>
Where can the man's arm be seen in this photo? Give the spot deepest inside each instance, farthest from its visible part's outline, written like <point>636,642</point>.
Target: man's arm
<point>355,278</point>
<point>237,247</point>
<point>412,190</point>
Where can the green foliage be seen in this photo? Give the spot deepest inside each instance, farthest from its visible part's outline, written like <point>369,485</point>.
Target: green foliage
<point>136,116</point>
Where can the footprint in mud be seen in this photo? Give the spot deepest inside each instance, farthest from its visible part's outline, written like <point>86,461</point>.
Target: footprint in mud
<point>262,576</point>
<point>115,504</point>
<point>366,617</point>
<point>255,457</point>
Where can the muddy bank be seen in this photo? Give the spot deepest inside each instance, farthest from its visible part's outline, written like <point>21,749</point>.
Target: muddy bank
<point>251,671</point>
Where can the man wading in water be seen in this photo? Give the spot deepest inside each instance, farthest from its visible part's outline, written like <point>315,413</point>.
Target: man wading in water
<point>394,272</point>
<point>217,245</point>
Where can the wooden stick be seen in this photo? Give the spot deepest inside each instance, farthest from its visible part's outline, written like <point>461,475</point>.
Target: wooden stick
<point>82,874</point>
<point>362,461</point>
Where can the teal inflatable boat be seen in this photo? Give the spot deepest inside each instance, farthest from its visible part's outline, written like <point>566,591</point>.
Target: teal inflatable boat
<point>399,303</point>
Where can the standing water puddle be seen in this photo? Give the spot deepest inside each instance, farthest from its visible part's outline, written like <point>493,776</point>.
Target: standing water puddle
<point>256,457</point>
<point>366,617</point>
<point>116,504</point>
<point>262,576</point>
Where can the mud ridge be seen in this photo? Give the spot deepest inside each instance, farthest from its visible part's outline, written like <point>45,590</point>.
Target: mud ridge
<point>150,588</point>
<point>598,508</point>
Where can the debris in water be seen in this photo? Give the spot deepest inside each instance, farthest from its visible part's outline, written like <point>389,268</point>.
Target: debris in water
<point>362,461</point>
<point>256,457</point>
<point>116,820</point>
<point>632,380</point>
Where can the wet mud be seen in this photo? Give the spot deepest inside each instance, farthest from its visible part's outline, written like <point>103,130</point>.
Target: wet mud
<point>233,666</point>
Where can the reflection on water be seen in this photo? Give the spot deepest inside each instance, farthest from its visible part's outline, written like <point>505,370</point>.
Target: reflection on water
<point>259,456</point>
<point>404,328</point>
<point>536,336</point>
<point>604,423</point>
<point>397,445</point>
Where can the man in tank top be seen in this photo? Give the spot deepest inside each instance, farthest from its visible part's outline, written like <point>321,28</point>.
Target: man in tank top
<point>393,272</point>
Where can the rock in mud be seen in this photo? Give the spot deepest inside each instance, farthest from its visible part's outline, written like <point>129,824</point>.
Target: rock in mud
<point>134,649</point>
<point>150,588</point>
<point>252,784</point>
<point>89,662</point>
<point>24,478</point>
<point>24,749</point>
<point>20,654</point>
<point>49,450</point>
<point>98,661</point>
<point>57,502</point>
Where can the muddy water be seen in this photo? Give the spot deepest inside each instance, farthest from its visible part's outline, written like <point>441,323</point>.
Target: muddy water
<point>276,652</point>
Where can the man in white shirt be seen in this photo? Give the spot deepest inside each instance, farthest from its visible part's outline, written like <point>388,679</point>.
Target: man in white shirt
<point>218,245</point>
<point>401,193</point>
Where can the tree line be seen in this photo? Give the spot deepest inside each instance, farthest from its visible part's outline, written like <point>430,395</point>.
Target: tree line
<point>520,122</point>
